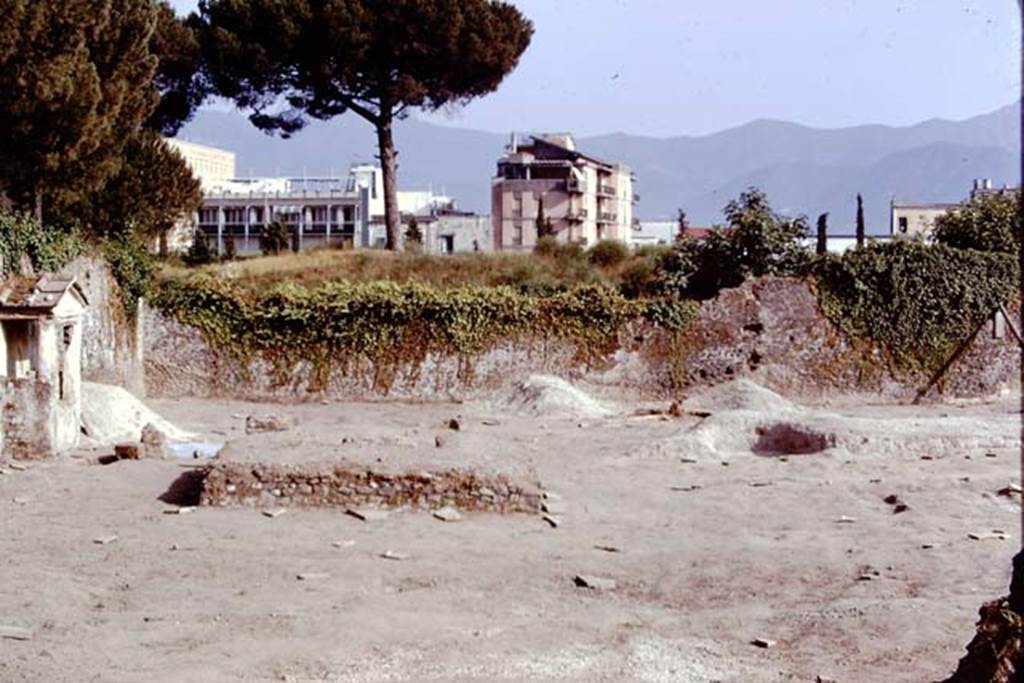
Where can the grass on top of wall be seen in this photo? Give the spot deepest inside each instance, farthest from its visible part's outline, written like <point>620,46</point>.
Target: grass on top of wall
<point>556,269</point>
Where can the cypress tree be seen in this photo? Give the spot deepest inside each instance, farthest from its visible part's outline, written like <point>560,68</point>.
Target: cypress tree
<point>822,246</point>
<point>860,220</point>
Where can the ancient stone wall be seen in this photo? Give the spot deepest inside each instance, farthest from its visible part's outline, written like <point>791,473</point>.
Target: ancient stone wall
<point>770,330</point>
<point>260,485</point>
<point>111,351</point>
<point>25,417</point>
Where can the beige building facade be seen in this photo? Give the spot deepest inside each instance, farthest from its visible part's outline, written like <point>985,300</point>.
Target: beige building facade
<point>586,199</point>
<point>210,165</point>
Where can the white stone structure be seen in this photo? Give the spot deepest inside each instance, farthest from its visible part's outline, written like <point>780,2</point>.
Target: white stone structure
<point>41,364</point>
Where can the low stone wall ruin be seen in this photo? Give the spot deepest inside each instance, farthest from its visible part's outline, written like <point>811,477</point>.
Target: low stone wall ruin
<point>267,485</point>
<point>770,330</point>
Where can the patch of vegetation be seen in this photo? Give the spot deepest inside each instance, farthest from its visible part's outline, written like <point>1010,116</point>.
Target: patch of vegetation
<point>987,223</point>
<point>916,301</point>
<point>398,325</point>
<point>132,265</point>
<point>46,249</point>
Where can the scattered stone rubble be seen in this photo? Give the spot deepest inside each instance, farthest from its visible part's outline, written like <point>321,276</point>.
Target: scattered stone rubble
<point>350,487</point>
<point>267,423</point>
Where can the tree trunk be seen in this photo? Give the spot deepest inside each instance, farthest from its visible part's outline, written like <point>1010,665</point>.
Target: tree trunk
<point>38,213</point>
<point>386,143</point>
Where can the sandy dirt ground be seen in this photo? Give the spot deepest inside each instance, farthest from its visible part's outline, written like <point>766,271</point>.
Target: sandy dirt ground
<point>713,554</point>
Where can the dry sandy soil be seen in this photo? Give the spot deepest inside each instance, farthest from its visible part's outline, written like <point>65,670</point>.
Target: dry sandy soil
<point>713,554</point>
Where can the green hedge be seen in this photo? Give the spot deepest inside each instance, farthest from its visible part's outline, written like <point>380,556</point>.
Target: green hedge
<point>917,301</point>
<point>399,324</point>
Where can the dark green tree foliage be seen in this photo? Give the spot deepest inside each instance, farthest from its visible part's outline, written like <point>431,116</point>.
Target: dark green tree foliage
<point>543,224</point>
<point>376,59</point>
<point>296,239</point>
<point>764,242</point>
<point>822,246</point>
<point>860,221</point>
<point>988,222</point>
<point>200,252</point>
<point>75,81</point>
<point>274,237</point>
<point>682,224</point>
<point>230,249</point>
<point>132,266</point>
<point>413,234</point>
<point>179,77</point>
<point>756,242</point>
<point>916,300</point>
<point>152,191</point>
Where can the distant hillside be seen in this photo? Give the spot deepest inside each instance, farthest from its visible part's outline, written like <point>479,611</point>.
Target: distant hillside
<point>803,170</point>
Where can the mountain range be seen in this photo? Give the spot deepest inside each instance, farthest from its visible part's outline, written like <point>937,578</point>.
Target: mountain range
<point>803,170</point>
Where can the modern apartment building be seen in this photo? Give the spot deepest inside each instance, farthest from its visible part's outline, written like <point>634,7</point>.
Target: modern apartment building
<point>343,212</point>
<point>586,199</point>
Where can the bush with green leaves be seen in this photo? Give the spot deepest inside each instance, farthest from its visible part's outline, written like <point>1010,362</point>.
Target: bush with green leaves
<point>755,242</point>
<point>200,252</point>
<point>988,222</point>
<point>47,249</point>
<point>133,267</point>
<point>274,238</point>
<point>397,325</point>
<point>608,253</point>
<point>916,301</point>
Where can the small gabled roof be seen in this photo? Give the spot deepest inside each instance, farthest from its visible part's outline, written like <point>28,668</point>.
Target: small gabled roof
<point>38,292</point>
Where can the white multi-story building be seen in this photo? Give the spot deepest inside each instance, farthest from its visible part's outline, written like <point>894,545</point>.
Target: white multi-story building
<point>585,199</point>
<point>342,212</point>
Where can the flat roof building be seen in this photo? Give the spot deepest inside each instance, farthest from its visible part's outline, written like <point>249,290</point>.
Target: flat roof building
<point>584,198</point>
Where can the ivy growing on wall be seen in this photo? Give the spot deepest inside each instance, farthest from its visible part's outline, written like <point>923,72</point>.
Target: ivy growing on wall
<point>46,249</point>
<point>398,325</point>
<point>916,301</point>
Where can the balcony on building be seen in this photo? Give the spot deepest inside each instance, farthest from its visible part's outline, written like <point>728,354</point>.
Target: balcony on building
<point>606,217</point>
<point>576,215</point>
<point>606,191</point>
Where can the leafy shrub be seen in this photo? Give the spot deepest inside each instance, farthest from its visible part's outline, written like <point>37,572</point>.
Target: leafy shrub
<point>608,253</point>
<point>47,249</point>
<point>274,238</point>
<point>132,266</point>
<point>547,245</point>
<point>987,222</point>
<point>917,301</point>
<point>756,242</point>
<point>200,252</point>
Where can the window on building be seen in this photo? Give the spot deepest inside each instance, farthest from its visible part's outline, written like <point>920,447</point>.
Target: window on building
<point>517,205</point>
<point>517,234</point>
<point>903,224</point>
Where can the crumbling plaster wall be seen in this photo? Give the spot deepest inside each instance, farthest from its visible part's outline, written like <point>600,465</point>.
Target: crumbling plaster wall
<point>770,330</point>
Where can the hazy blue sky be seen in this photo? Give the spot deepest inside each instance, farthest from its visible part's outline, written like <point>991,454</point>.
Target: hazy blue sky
<point>671,67</point>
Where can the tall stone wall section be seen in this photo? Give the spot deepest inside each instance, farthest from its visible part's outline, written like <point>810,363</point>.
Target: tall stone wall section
<point>111,342</point>
<point>770,330</point>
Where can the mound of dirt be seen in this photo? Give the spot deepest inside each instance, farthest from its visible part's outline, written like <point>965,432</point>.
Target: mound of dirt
<point>748,419</point>
<point>740,394</point>
<point>111,414</point>
<point>545,396</point>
